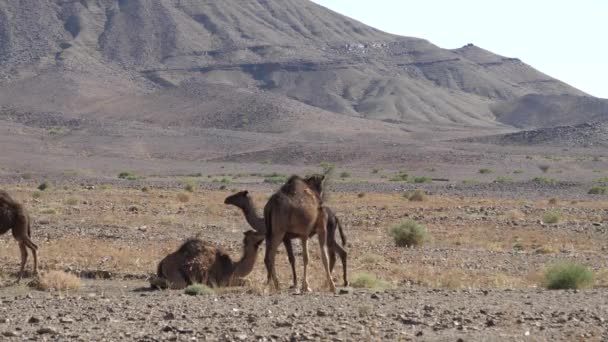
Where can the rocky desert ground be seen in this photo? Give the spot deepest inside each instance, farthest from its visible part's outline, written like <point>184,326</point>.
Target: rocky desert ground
<point>479,276</point>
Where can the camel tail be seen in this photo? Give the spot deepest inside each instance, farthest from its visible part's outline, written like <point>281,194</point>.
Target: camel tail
<point>342,236</point>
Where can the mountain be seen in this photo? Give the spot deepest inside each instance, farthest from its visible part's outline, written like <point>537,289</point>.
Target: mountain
<point>269,67</point>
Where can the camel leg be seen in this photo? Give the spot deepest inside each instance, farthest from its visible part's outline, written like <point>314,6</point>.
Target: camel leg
<point>322,234</point>
<point>23,259</point>
<point>331,252</point>
<point>33,248</point>
<point>342,253</point>
<point>292,261</point>
<point>305,287</point>
<point>271,251</point>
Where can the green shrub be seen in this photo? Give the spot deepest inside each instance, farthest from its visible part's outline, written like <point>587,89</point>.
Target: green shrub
<point>470,181</point>
<point>551,217</point>
<point>128,175</point>
<point>485,171</point>
<point>552,201</point>
<point>568,275</point>
<point>422,179</point>
<point>517,172</point>
<point>503,180</point>
<point>275,178</point>
<point>328,168</point>
<point>189,187</point>
<point>402,176</point>
<point>344,174</point>
<point>544,167</point>
<point>375,171</point>
<point>43,186</point>
<point>409,233</point>
<point>71,201</point>
<point>602,180</point>
<point>417,195</point>
<point>36,194</point>
<point>368,281</point>
<point>145,189</point>
<point>598,190</point>
<point>198,289</point>
<point>543,180</point>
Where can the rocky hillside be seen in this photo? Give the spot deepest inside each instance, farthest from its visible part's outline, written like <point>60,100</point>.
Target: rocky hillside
<point>76,57</point>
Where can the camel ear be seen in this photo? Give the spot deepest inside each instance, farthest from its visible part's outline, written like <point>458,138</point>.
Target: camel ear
<point>246,192</point>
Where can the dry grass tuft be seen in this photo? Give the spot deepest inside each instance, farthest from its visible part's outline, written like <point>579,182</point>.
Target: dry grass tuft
<point>182,197</point>
<point>57,281</point>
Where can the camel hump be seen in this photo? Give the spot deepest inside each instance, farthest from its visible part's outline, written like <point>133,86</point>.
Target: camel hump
<point>192,247</point>
<point>8,201</point>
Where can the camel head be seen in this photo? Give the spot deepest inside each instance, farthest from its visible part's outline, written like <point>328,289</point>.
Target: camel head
<point>253,238</point>
<point>315,182</point>
<point>240,199</point>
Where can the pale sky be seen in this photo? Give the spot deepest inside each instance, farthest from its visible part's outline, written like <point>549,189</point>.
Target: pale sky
<point>565,39</point>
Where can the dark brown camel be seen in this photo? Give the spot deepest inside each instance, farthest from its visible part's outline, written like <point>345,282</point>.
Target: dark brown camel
<point>14,216</point>
<point>244,201</point>
<point>198,261</point>
<point>297,208</point>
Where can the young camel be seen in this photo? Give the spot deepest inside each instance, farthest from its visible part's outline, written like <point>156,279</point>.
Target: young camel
<point>297,208</point>
<point>244,201</point>
<point>13,216</point>
<point>198,261</point>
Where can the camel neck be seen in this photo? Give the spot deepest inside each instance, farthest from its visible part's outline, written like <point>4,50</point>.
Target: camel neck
<point>255,221</point>
<point>243,267</point>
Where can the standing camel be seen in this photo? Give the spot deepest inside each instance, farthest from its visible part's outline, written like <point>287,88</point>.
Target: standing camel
<point>198,261</point>
<point>13,216</point>
<point>243,201</point>
<point>297,208</point>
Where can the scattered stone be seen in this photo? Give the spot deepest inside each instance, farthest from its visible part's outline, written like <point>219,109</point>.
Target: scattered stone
<point>34,320</point>
<point>47,330</point>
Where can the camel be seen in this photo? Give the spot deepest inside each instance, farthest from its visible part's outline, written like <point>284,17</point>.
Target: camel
<point>297,208</point>
<point>14,216</point>
<point>198,261</point>
<point>244,201</point>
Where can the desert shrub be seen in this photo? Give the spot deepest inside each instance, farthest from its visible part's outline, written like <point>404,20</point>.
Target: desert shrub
<point>553,201</point>
<point>198,289</point>
<point>275,178</point>
<point>544,167</point>
<point>128,175</point>
<point>57,281</point>
<point>71,201</point>
<point>361,194</point>
<point>598,190</point>
<point>26,175</point>
<point>568,275</point>
<point>543,180</point>
<point>485,171</point>
<point>470,181</point>
<point>36,194</point>
<point>409,234</point>
<point>365,310</point>
<point>368,281</point>
<point>402,176</point>
<point>417,195</point>
<point>328,168</point>
<point>183,197</point>
<point>344,174</point>
<point>551,217</point>
<point>48,211</point>
<point>189,187</point>
<point>43,186</point>
<point>503,180</point>
<point>375,171</point>
<point>517,172</point>
<point>602,180</point>
<point>145,189</point>
<point>222,187</point>
<point>421,179</point>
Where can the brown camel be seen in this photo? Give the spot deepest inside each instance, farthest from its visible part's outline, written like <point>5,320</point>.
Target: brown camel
<point>198,261</point>
<point>297,208</point>
<point>13,216</point>
<point>243,201</point>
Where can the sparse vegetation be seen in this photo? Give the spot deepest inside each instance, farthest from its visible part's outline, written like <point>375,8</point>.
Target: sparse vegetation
<point>568,275</point>
<point>402,176</point>
<point>368,281</point>
<point>48,211</point>
<point>128,175</point>
<point>189,186</point>
<point>328,168</point>
<point>409,234</point>
<point>553,201</point>
<point>275,178</point>
<point>544,167</point>
<point>417,195</point>
<point>365,310</point>
<point>598,190</point>
<point>344,174</point>
<point>71,201</point>
<point>198,290</point>
<point>36,194</point>
<point>361,194</point>
<point>183,197</point>
<point>375,171</point>
<point>470,181</point>
<point>552,217</point>
<point>543,180</point>
<point>145,189</point>
<point>517,172</point>
<point>421,179</point>
<point>57,281</point>
<point>503,180</point>
<point>485,171</point>
<point>43,186</point>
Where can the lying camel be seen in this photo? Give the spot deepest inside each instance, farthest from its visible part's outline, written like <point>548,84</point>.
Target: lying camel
<point>13,216</point>
<point>198,261</point>
<point>244,201</point>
